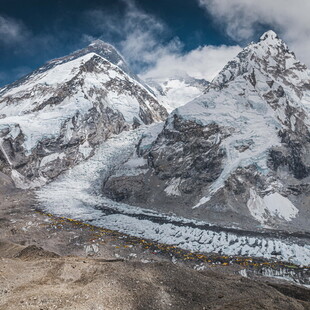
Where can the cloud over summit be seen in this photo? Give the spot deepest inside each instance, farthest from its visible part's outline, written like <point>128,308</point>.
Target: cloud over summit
<point>147,43</point>
<point>244,20</point>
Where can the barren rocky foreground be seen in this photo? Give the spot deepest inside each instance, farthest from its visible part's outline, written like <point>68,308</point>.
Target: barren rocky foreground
<point>53,265</point>
<point>38,280</point>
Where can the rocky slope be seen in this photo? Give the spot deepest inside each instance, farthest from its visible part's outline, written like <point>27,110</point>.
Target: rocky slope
<point>239,154</point>
<point>55,116</point>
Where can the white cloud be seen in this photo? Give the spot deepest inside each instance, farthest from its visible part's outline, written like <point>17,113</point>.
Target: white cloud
<point>11,31</point>
<point>143,40</point>
<point>141,37</point>
<point>244,19</point>
<point>203,62</point>
<point>19,40</point>
<point>145,37</point>
<point>144,44</point>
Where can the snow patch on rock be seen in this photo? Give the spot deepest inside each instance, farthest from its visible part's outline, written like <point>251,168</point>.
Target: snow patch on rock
<point>172,189</point>
<point>270,206</point>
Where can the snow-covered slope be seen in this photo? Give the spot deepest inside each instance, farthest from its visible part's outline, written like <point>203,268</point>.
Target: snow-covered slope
<point>238,154</point>
<point>54,117</point>
<point>173,92</point>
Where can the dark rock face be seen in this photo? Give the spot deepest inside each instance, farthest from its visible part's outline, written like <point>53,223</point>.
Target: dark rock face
<point>295,155</point>
<point>292,160</point>
<point>295,137</point>
<point>175,155</point>
<point>188,152</point>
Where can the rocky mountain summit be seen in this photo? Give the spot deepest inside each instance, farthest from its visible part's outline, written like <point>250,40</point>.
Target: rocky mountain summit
<point>54,117</point>
<point>238,155</point>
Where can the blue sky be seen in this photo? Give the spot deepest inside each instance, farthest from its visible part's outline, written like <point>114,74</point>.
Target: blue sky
<point>198,36</point>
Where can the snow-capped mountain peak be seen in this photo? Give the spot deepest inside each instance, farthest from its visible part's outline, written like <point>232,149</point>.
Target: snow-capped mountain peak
<point>103,45</point>
<point>269,65</point>
<point>270,36</point>
<point>101,48</point>
<point>107,51</point>
<point>240,149</point>
<point>61,111</point>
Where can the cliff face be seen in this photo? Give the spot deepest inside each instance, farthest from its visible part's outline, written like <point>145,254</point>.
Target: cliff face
<point>239,153</point>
